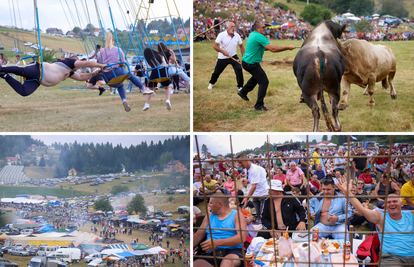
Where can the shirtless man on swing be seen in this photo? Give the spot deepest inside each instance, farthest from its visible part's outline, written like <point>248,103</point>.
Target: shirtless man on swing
<point>53,74</point>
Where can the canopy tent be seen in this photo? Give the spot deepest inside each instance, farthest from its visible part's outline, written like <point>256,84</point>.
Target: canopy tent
<point>174,225</point>
<point>135,220</point>
<point>354,18</point>
<point>347,15</point>
<point>151,223</point>
<point>157,250</point>
<point>376,15</point>
<point>143,252</point>
<point>332,145</point>
<point>136,246</point>
<point>56,203</point>
<point>121,212</point>
<point>387,16</point>
<point>126,254</point>
<point>120,246</point>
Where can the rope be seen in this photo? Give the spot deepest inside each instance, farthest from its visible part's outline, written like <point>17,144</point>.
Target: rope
<point>64,12</point>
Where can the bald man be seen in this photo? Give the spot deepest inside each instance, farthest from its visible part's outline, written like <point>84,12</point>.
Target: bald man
<point>228,41</point>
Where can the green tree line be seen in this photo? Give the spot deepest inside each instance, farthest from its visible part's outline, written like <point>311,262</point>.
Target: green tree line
<point>106,158</point>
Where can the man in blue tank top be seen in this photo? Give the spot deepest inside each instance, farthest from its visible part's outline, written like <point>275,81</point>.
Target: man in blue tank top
<point>226,243</point>
<point>396,248</point>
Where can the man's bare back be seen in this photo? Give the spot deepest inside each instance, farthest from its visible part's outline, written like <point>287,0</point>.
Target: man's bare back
<point>53,74</point>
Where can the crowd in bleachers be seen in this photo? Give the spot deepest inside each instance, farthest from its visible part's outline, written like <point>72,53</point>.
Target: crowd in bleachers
<point>294,29</point>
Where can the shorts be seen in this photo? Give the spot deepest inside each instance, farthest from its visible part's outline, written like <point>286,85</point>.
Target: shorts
<point>95,79</point>
<point>222,253</point>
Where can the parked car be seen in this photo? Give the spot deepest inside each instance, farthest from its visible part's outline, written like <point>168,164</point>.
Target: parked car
<point>31,251</point>
<point>168,214</point>
<point>170,192</point>
<point>18,252</point>
<point>158,212</point>
<point>91,257</point>
<point>6,249</point>
<point>32,247</point>
<point>1,47</point>
<point>181,219</point>
<point>124,182</point>
<point>7,263</point>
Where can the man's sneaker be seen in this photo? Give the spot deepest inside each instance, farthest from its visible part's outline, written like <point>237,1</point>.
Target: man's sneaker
<point>147,91</point>
<point>168,104</point>
<point>126,106</point>
<point>244,97</point>
<point>210,86</point>
<point>146,107</point>
<point>101,90</point>
<point>240,88</point>
<point>262,108</point>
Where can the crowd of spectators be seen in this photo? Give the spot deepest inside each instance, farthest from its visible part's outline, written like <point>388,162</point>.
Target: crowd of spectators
<point>295,29</point>
<point>253,178</point>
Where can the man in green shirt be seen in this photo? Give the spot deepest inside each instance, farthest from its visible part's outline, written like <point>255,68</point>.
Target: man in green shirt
<point>257,43</point>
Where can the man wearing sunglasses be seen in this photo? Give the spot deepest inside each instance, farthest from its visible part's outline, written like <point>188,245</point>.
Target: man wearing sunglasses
<point>257,43</point>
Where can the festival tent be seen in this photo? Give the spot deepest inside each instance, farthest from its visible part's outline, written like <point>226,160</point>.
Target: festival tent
<point>126,254</point>
<point>288,25</point>
<point>354,18</point>
<point>332,145</point>
<point>121,212</point>
<point>120,246</point>
<point>142,252</point>
<point>151,223</point>
<point>135,220</point>
<point>346,15</point>
<point>136,246</point>
<point>157,250</point>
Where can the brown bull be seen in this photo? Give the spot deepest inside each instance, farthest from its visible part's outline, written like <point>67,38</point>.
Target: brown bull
<point>367,64</point>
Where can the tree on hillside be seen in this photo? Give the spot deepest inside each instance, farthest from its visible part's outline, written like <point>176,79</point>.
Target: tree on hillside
<point>165,158</point>
<point>102,204</point>
<point>339,139</point>
<point>324,137</point>
<point>89,28</point>
<point>357,7</point>
<point>363,26</point>
<point>76,30</point>
<point>394,8</point>
<point>314,14</point>
<point>119,189</point>
<point>204,150</point>
<point>137,204</point>
<point>42,162</point>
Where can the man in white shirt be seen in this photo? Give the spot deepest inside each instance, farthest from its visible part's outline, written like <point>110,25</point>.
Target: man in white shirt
<point>257,178</point>
<point>340,163</point>
<point>228,41</point>
<point>207,166</point>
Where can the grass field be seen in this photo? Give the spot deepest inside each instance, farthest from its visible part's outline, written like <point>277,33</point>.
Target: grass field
<point>222,110</point>
<point>51,109</point>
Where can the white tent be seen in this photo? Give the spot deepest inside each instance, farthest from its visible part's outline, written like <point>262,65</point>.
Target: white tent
<point>375,15</point>
<point>347,15</point>
<point>354,18</point>
<point>332,145</point>
<point>157,250</point>
<point>180,190</point>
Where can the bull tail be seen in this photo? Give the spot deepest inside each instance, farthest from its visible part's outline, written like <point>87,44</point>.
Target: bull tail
<point>321,57</point>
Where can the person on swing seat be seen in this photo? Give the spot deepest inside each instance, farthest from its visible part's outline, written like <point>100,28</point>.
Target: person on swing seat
<point>53,74</point>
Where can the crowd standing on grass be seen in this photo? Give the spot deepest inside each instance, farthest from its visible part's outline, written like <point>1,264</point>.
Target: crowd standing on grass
<point>75,215</point>
<point>287,173</point>
<point>296,28</point>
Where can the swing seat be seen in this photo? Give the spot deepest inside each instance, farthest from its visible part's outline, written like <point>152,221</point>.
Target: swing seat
<point>117,79</point>
<point>159,77</point>
<point>40,67</point>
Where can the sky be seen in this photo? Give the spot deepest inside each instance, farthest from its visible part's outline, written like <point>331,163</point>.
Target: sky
<point>124,140</point>
<point>220,144</point>
<point>52,15</point>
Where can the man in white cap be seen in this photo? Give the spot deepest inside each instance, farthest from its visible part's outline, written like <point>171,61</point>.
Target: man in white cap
<point>287,212</point>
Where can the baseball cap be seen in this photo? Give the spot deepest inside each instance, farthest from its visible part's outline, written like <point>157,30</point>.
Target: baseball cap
<point>276,185</point>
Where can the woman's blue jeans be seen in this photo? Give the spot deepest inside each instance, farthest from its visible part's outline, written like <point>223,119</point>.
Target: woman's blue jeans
<point>120,86</point>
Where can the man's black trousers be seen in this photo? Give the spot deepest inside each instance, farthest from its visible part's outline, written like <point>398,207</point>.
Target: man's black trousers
<point>221,64</point>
